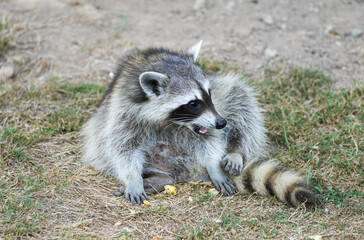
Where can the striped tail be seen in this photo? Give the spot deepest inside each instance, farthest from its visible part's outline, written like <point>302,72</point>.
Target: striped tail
<point>269,178</point>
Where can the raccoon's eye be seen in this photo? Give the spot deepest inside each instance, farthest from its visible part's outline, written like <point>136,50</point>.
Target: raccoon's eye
<point>193,104</point>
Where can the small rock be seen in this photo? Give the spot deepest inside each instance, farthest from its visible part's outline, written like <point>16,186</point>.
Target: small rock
<point>268,19</point>
<point>230,5</point>
<point>331,30</point>
<point>199,4</point>
<point>283,26</point>
<point>6,72</point>
<point>270,53</point>
<point>356,32</point>
<point>328,29</point>
<point>313,9</point>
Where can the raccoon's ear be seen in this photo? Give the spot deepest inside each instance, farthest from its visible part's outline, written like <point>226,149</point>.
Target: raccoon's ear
<point>195,50</point>
<point>153,83</point>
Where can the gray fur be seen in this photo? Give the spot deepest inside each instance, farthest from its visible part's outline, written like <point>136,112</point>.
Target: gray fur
<point>133,138</point>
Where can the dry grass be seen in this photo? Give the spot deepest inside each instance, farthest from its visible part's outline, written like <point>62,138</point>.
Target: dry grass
<point>46,193</point>
<point>5,37</point>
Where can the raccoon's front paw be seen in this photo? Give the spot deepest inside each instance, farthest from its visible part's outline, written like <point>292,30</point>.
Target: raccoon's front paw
<point>135,197</point>
<point>233,164</point>
<point>132,195</point>
<point>225,186</point>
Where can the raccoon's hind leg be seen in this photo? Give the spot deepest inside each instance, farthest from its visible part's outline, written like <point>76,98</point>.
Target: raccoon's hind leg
<point>156,182</point>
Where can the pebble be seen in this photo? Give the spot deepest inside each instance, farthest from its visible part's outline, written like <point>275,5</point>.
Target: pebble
<point>356,32</point>
<point>328,29</point>
<point>230,5</point>
<point>313,9</point>
<point>199,4</point>
<point>270,53</point>
<point>6,72</point>
<point>268,19</point>
<point>283,26</point>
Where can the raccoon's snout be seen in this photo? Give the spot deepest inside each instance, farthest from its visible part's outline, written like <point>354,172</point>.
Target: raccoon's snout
<point>220,123</point>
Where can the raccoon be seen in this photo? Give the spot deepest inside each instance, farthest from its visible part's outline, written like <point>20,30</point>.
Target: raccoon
<point>164,120</point>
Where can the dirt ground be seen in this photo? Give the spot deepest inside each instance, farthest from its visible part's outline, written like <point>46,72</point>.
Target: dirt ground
<point>79,41</point>
<point>82,40</point>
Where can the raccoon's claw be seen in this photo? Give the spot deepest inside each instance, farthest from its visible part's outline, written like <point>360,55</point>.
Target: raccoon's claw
<point>225,187</point>
<point>232,164</point>
<point>136,199</point>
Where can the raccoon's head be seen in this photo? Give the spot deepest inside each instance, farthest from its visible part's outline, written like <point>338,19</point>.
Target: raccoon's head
<point>179,92</point>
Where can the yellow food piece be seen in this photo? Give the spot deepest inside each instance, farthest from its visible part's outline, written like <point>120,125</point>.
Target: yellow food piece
<point>213,191</point>
<point>170,189</point>
<point>147,203</point>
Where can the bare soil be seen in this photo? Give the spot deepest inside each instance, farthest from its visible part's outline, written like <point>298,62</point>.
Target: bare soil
<point>82,40</point>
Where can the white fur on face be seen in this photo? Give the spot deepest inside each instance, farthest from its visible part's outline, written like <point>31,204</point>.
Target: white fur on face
<point>197,94</point>
<point>160,109</point>
<point>177,101</point>
<point>207,120</point>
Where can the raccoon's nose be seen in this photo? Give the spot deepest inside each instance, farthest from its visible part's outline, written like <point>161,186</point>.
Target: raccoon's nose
<point>221,123</point>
